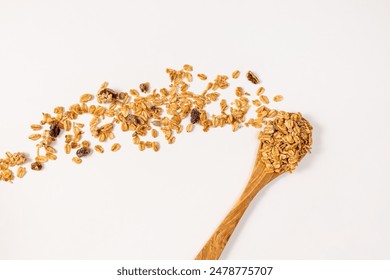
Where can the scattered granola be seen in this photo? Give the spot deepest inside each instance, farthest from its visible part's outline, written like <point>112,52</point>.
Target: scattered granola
<point>162,113</point>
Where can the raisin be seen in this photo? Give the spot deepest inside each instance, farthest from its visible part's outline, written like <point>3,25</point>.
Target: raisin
<point>195,116</point>
<point>82,152</point>
<point>54,130</point>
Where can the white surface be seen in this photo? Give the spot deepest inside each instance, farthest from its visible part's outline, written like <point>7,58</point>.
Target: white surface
<point>329,59</point>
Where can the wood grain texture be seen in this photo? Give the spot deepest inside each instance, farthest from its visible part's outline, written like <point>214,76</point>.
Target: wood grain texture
<point>212,250</point>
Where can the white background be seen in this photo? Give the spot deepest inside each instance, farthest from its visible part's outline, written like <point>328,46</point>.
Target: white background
<point>330,59</point>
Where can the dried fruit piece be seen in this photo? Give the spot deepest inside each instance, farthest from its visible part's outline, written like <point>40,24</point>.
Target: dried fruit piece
<point>83,151</point>
<point>252,77</point>
<point>195,116</point>
<point>54,130</point>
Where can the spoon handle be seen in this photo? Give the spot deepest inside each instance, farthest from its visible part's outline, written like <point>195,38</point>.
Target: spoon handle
<point>212,250</point>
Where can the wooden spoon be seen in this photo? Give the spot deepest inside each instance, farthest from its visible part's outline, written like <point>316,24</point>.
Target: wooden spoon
<point>212,250</point>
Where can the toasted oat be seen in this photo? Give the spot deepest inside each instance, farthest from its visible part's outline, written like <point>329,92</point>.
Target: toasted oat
<point>34,136</point>
<point>256,102</point>
<point>115,147</point>
<point>154,133</point>
<point>21,172</point>
<point>148,144</point>
<point>156,146</point>
<point>51,156</point>
<point>260,91</point>
<point>236,74</point>
<point>202,77</point>
<point>41,159</point>
<point>264,99</point>
<point>278,98</point>
<point>171,140</point>
<point>86,97</point>
<point>99,149</point>
<point>187,67</point>
<point>189,127</point>
<point>77,160</point>
<point>50,149</point>
<point>67,148</point>
<point>252,77</point>
<point>85,144</point>
<point>36,127</point>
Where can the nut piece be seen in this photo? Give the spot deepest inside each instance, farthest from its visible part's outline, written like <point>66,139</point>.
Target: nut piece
<point>83,151</point>
<point>36,166</point>
<point>106,95</point>
<point>252,77</point>
<point>144,87</point>
<point>115,147</point>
